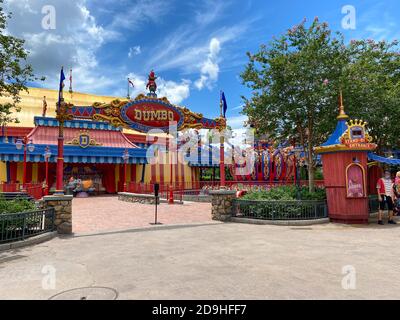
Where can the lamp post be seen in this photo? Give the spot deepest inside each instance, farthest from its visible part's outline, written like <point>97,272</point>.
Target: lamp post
<point>47,155</point>
<point>62,116</point>
<point>125,157</point>
<point>27,145</point>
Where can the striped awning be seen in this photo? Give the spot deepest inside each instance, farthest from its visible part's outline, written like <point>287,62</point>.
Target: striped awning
<point>74,154</point>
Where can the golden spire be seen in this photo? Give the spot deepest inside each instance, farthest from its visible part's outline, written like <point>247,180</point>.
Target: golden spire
<point>342,114</point>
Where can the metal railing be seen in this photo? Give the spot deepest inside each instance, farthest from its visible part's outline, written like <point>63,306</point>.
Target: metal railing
<point>20,226</point>
<point>35,190</point>
<point>280,210</point>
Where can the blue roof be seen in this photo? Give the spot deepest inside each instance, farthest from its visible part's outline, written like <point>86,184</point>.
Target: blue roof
<point>334,139</point>
<point>390,161</point>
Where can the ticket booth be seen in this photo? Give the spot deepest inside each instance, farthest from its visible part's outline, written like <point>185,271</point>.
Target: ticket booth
<point>345,167</point>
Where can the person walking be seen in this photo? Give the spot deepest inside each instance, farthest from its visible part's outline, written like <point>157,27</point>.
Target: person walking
<point>396,192</point>
<point>385,197</point>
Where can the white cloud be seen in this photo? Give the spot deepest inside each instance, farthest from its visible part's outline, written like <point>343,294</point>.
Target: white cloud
<point>140,12</point>
<point>176,92</point>
<point>134,51</point>
<point>210,69</point>
<point>237,122</point>
<point>73,44</point>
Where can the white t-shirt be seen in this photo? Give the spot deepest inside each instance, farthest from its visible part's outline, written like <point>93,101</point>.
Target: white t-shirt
<point>388,186</point>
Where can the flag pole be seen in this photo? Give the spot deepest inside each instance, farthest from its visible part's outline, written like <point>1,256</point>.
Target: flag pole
<point>128,96</point>
<point>221,149</point>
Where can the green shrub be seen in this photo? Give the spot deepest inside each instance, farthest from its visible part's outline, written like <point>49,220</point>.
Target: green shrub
<point>15,206</point>
<point>286,193</point>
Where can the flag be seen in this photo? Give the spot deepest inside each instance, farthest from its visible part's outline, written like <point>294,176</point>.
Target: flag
<point>131,83</point>
<point>224,105</point>
<point>60,92</point>
<point>62,78</point>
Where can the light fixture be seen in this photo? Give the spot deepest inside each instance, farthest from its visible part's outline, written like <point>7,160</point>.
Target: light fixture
<point>19,144</point>
<point>31,146</point>
<point>126,156</point>
<point>47,153</point>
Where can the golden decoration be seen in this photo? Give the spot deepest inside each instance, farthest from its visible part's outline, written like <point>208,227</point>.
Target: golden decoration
<point>77,140</point>
<point>364,143</point>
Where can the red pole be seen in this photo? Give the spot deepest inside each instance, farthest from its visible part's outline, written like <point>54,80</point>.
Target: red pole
<point>125,186</point>
<point>222,161</point>
<point>295,170</point>
<point>46,191</point>
<point>60,163</point>
<point>24,169</point>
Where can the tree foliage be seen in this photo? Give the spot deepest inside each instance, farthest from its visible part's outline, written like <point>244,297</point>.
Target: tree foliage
<point>15,72</point>
<point>296,79</point>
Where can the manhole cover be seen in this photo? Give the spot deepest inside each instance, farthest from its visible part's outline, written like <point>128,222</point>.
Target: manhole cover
<point>87,293</point>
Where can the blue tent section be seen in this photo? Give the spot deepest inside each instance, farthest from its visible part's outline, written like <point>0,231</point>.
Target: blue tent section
<point>389,161</point>
<point>334,139</point>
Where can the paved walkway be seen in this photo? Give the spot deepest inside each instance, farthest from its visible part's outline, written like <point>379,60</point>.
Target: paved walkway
<point>216,261</point>
<point>99,214</point>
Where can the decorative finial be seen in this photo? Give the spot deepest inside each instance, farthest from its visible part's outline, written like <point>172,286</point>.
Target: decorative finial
<point>342,113</point>
<point>44,110</point>
<point>151,85</point>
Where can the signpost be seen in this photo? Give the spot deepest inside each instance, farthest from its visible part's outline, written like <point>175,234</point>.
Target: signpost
<point>157,197</point>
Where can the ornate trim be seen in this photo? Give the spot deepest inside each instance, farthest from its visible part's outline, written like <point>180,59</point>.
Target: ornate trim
<point>77,141</point>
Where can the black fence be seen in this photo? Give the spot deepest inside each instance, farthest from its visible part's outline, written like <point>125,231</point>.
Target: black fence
<point>373,204</point>
<point>280,210</point>
<point>20,226</point>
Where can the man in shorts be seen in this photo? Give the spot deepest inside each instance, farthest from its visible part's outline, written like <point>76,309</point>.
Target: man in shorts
<point>385,196</point>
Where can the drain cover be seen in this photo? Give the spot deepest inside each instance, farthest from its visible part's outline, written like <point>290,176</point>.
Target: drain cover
<point>87,293</point>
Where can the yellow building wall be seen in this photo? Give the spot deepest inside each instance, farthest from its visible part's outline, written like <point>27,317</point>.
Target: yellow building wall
<point>32,103</point>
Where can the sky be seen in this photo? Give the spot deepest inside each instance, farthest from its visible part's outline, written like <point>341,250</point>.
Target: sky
<point>196,48</point>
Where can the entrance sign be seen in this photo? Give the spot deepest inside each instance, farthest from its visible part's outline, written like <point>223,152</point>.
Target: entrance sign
<point>144,115</point>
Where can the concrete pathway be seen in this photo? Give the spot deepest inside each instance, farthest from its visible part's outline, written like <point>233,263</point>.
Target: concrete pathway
<point>216,261</point>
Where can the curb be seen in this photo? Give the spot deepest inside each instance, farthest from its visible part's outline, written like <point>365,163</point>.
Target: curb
<point>279,222</point>
<point>28,242</point>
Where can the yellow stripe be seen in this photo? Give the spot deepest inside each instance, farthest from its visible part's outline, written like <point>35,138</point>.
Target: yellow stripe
<point>20,171</point>
<point>3,171</point>
<point>35,172</point>
<point>116,176</point>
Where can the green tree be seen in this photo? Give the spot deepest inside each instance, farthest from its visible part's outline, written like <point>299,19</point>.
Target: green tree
<point>15,72</point>
<point>372,89</point>
<point>295,81</point>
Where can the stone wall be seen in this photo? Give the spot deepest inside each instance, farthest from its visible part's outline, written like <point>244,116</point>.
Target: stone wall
<point>197,198</point>
<point>63,210</point>
<point>222,204</point>
<point>136,197</point>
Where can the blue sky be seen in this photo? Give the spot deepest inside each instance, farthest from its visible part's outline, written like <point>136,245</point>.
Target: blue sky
<point>197,48</point>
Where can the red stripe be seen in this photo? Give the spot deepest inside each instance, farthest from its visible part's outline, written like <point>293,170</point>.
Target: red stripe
<point>162,168</point>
